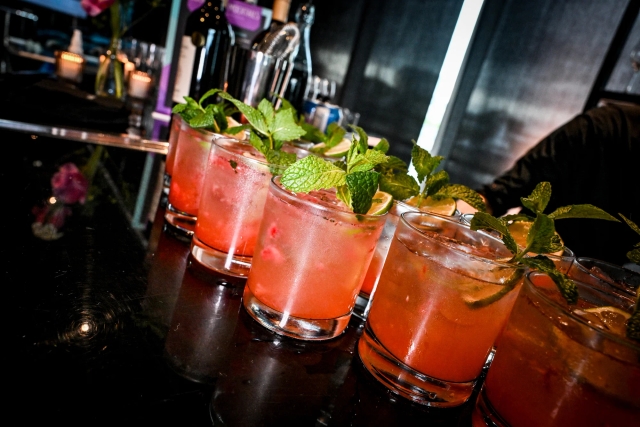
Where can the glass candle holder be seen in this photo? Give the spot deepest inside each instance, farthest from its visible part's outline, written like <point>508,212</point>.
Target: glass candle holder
<point>69,66</point>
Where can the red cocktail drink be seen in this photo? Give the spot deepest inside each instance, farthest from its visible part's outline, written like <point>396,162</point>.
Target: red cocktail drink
<point>310,260</point>
<point>188,173</point>
<point>174,132</point>
<point>561,365</point>
<point>443,297</point>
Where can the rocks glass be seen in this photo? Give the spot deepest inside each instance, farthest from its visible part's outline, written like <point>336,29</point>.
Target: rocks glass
<point>233,195</point>
<point>174,132</point>
<point>443,297</point>
<point>555,367</point>
<point>188,173</point>
<point>310,260</point>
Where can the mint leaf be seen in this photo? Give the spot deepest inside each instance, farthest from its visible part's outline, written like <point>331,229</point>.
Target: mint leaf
<point>312,173</point>
<point>207,94</point>
<point>343,194</point>
<point>382,146</point>
<point>582,211</point>
<point>284,128</point>
<point>400,186</point>
<point>517,217</point>
<point>482,220</point>
<point>423,162</point>
<point>565,285</point>
<point>178,108</point>
<point>366,161</point>
<point>268,112</point>
<point>539,198</point>
<point>394,163</point>
<point>311,133</point>
<point>257,143</point>
<point>541,234</point>
<point>362,186</point>
<point>630,223</point>
<point>435,182</point>
<point>462,192</point>
<point>204,119</point>
<point>279,158</point>
<point>363,139</point>
<point>334,136</point>
<point>252,115</point>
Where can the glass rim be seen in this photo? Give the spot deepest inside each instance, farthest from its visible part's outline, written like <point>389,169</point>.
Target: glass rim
<point>458,223</point>
<point>531,286</point>
<point>199,130</point>
<point>281,190</point>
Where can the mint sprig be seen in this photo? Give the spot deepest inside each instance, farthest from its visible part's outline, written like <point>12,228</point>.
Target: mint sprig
<point>212,117</point>
<point>542,237</point>
<point>430,183</point>
<point>269,129</point>
<point>355,180</point>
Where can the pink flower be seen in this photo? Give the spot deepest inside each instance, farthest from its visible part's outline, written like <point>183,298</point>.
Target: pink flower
<point>69,184</point>
<point>95,7</point>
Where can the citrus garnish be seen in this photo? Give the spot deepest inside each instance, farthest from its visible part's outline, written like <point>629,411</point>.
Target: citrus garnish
<point>485,295</point>
<point>446,207</point>
<point>381,203</point>
<point>520,229</point>
<point>339,150</point>
<point>231,123</point>
<point>608,318</point>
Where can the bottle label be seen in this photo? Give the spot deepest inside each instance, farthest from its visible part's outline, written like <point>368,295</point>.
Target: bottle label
<point>185,69</point>
<point>244,15</point>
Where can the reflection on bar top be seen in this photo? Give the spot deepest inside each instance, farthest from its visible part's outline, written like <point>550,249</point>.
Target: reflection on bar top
<point>73,134</point>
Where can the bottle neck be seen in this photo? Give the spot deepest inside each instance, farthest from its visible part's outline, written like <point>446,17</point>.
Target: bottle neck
<point>280,11</point>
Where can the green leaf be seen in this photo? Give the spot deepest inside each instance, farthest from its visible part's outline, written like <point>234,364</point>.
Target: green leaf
<point>253,116</point>
<point>363,140</point>
<point>207,94</point>
<point>284,128</point>
<point>400,186</point>
<point>280,158</point>
<point>565,285</point>
<point>423,162</point>
<point>382,146</point>
<point>257,143</point>
<point>367,161</point>
<point>630,223</point>
<point>362,186</point>
<point>517,217</point>
<point>335,135</point>
<point>482,220</point>
<point>541,233</point>
<point>178,108</point>
<point>394,163</point>
<point>192,103</point>
<point>582,211</point>
<point>204,119</point>
<point>268,113</point>
<point>634,255</point>
<point>312,133</point>
<point>462,192</point>
<point>435,182</point>
<point>234,130</point>
<point>286,105</point>
<point>539,198</point>
<point>312,173</point>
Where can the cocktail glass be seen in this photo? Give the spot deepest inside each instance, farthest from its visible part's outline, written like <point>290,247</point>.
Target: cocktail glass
<point>622,279</point>
<point>188,174</point>
<point>235,188</point>
<point>443,297</point>
<point>174,132</point>
<point>555,367</point>
<point>310,260</point>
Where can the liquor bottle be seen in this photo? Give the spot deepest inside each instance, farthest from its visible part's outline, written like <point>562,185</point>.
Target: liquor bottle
<point>279,17</point>
<point>300,80</point>
<point>203,62</point>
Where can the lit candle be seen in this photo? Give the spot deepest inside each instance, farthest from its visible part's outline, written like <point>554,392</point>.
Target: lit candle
<point>69,66</point>
<point>129,67</point>
<point>139,84</point>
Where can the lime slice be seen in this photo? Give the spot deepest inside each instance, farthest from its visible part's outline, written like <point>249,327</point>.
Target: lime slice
<point>608,318</point>
<point>520,229</point>
<point>339,150</point>
<point>382,202</point>
<point>445,207</point>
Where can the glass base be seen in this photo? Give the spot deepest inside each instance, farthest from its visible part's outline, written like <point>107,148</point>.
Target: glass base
<point>407,382</point>
<point>484,415</point>
<point>290,326</point>
<point>361,309</point>
<point>222,262</point>
<point>180,220</point>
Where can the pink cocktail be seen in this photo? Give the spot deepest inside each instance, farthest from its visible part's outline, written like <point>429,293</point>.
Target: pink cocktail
<point>174,132</point>
<point>233,195</point>
<point>310,260</point>
<point>188,173</point>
